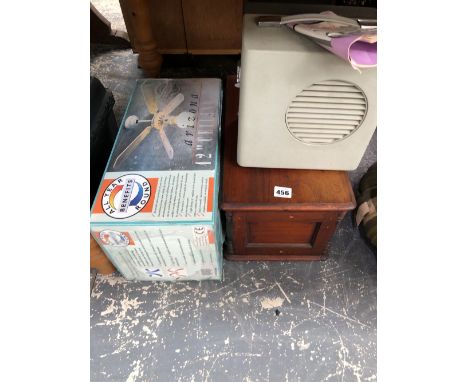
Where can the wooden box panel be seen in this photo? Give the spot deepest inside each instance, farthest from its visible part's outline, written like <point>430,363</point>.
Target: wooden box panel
<point>261,235</point>
<point>273,232</point>
<point>280,229</point>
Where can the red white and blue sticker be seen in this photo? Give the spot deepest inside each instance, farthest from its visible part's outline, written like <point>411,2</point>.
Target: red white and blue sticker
<point>126,196</point>
<point>115,238</point>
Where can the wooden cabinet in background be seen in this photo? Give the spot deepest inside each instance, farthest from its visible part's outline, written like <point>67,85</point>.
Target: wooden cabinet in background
<point>213,26</point>
<point>158,27</point>
<point>167,23</point>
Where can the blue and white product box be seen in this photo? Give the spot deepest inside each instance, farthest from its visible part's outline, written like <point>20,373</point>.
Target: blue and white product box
<point>156,211</point>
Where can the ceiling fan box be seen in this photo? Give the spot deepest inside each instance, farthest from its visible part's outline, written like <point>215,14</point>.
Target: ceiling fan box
<point>157,217</point>
<point>276,65</point>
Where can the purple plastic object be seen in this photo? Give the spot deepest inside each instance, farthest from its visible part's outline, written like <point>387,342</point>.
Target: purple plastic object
<point>364,53</point>
<point>359,53</point>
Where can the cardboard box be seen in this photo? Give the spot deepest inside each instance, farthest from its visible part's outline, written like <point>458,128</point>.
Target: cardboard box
<point>156,212</point>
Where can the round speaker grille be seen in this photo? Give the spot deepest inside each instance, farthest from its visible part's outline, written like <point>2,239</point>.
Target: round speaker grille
<point>326,112</point>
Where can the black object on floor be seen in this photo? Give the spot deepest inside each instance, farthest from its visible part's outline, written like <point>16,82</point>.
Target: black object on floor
<point>103,132</point>
<point>366,211</point>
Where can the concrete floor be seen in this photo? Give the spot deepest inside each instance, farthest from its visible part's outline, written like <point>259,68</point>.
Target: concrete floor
<point>110,9</point>
<point>264,322</point>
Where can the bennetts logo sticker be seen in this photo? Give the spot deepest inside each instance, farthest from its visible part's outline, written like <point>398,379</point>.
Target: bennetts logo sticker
<point>126,196</point>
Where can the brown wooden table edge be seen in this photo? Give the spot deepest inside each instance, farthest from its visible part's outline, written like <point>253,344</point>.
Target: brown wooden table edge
<point>305,258</point>
<point>341,207</point>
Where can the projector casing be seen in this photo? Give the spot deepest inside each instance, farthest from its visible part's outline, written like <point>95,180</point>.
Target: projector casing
<point>277,64</point>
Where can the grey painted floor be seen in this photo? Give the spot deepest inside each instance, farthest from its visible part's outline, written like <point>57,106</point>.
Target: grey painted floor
<point>265,322</point>
<point>110,9</point>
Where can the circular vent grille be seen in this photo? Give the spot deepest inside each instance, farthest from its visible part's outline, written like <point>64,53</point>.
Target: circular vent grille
<point>326,112</point>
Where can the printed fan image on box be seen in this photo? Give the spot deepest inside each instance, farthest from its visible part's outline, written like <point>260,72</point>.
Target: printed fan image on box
<point>156,211</point>
<point>160,119</point>
<point>160,126</point>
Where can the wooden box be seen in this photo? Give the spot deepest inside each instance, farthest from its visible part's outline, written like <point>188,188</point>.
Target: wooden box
<point>260,226</point>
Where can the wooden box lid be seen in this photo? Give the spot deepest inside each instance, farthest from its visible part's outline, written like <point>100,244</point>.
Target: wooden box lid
<point>247,188</point>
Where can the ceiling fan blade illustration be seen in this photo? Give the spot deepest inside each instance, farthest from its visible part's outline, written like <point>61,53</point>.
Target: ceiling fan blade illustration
<point>167,145</point>
<point>173,103</point>
<point>132,146</point>
<point>149,95</point>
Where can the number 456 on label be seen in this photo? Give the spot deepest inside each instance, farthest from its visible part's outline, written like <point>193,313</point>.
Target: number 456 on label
<point>282,192</point>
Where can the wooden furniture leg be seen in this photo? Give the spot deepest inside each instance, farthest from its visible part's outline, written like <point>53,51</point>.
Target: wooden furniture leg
<point>137,15</point>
